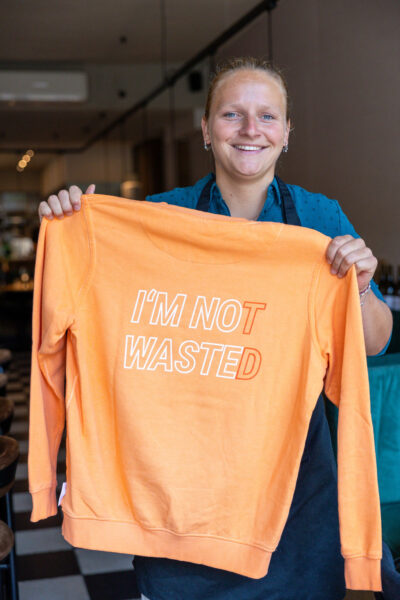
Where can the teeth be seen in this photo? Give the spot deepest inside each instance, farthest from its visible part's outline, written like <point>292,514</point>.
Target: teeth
<point>249,147</point>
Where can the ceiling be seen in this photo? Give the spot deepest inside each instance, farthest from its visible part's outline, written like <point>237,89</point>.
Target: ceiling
<point>106,40</point>
<point>90,31</point>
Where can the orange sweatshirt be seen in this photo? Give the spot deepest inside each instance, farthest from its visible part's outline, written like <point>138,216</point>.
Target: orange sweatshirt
<point>195,347</point>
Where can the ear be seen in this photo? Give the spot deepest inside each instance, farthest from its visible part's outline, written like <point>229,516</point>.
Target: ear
<point>204,127</point>
<point>287,132</point>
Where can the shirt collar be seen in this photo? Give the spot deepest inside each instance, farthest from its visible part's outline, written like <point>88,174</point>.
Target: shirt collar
<point>273,196</point>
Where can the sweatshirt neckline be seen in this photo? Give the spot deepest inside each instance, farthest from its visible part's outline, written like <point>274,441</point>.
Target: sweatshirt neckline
<point>205,238</point>
<point>194,236</point>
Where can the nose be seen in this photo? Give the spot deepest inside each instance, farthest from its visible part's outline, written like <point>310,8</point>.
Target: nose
<point>249,126</point>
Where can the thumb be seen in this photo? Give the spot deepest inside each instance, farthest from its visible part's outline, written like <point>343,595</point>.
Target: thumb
<point>91,189</point>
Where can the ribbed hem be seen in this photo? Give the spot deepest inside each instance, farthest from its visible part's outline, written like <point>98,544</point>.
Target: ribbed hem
<point>363,573</point>
<point>130,538</point>
<point>44,504</point>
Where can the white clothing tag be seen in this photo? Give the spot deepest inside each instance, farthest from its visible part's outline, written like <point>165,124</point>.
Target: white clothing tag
<point>62,494</point>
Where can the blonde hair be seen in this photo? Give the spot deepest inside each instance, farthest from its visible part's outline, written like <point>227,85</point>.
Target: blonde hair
<point>231,65</point>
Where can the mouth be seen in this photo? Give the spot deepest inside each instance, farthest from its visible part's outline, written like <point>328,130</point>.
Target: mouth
<point>249,148</point>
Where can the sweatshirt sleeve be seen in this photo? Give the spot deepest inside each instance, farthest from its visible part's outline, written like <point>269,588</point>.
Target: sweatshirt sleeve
<point>339,331</point>
<point>60,268</point>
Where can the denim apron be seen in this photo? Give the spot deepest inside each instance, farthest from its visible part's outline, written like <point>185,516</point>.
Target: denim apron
<point>307,564</point>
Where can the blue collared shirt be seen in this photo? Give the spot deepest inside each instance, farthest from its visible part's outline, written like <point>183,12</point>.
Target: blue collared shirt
<point>316,211</point>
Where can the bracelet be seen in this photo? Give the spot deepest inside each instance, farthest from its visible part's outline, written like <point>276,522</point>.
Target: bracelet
<point>364,292</point>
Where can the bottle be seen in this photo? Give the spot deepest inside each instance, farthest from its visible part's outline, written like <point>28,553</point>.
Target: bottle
<point>389,292</point>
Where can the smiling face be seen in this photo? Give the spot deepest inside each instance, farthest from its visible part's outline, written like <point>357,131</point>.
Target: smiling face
<point>247,125</point>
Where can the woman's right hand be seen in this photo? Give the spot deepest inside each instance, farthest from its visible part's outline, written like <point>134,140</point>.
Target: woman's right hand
<point>64,203</point>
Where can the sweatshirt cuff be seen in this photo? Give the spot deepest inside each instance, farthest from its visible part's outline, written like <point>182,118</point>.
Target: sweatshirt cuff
<point>362,573</point>
<point>44,504</point>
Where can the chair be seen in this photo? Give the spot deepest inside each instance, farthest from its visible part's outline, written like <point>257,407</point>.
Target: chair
<point>6,546</point>
<point>9,456</point>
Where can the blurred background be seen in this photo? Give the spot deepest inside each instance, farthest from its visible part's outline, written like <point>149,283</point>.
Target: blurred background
<point>112,93</point>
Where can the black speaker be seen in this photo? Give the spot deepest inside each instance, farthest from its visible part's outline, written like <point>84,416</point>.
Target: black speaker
<point>195,81</point>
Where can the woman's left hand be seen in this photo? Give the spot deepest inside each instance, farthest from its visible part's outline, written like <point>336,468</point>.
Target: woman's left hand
<point>346,250</point>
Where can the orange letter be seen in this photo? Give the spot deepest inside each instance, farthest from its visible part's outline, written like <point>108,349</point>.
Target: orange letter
<point>249,364</point>
<point>253,308</point>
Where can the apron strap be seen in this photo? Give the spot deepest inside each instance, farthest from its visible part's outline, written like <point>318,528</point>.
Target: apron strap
<point>289,213</point>
<point>204,200</point>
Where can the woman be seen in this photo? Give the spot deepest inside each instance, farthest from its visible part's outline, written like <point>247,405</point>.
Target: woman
<point>247,125</point>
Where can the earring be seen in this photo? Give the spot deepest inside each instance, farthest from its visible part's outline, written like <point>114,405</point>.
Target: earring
<point>285,148</point>
<point>206,147</point>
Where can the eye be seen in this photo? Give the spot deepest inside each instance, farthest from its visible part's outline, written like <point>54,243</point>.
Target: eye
<point>229,115</point>
<point>267,117</point>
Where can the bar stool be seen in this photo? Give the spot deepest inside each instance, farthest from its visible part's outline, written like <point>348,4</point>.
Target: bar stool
<point>6,546</point>
<point>9,456</point>
<point>6,414</point>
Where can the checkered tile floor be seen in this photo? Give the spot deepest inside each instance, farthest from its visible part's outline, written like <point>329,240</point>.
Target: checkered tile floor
<point>48,567</point>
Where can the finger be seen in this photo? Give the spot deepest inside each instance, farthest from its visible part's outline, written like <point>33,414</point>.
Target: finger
<point>345,248</point>
<point>45,211</point>
<point>91,189</point>
<point>75,194</point>
<point>65,202</point>
<point>54,203</point>
<point>336,243</point>
<point>354,258</point>
<point>367,265</point>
